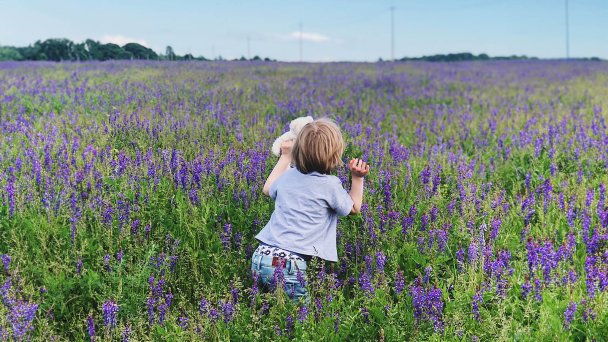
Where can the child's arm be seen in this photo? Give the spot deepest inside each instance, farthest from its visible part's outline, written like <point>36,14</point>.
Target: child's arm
<point>281,166</point>
<point>358,170</point>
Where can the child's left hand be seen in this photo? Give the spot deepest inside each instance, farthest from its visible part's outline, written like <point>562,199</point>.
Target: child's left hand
<point>358,168</point>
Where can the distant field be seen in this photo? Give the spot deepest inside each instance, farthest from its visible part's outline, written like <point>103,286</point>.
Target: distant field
<point>131,192</point>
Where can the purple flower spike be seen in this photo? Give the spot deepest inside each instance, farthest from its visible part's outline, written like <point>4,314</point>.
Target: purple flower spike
<point>6,260</point>
<point>91,327</point>
<point>365,284</point>
<point>110,309</point>
<point>569,315</point>
<point>399,282</point>
<point>380,261</point>
<point>302,314</point>
<point>477,299</point>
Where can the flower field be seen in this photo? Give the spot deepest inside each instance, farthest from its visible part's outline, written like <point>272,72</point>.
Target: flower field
<point>131,192</point>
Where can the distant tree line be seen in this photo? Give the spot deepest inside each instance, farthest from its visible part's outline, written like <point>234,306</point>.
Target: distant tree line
<point>463,56</point>
<point>62,49</point>
<point>466,56</point>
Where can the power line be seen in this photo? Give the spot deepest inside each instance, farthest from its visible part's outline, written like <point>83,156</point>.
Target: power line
<point>362,19</point>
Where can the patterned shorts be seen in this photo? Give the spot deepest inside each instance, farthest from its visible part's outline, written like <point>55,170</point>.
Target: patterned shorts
<point>279,252</point>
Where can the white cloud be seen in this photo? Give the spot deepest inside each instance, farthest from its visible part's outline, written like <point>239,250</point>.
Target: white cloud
<point>121,40</point>
<point>309,37</point>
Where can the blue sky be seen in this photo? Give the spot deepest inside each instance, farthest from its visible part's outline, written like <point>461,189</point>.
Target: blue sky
<point>354,30</point>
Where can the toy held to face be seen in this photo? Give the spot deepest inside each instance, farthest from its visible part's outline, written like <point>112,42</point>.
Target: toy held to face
<point>294,128</point>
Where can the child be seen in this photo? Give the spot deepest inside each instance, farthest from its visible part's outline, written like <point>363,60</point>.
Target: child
<point>308,201</point>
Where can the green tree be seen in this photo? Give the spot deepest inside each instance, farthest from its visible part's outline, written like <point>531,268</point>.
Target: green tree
<point>170,55</point>
<point>139,51</point>
<point>9,53</point>
<point>32,52</point>
<point>57,49</point>
<point>79,52</point>
<point>112,51</point>
<point>93,48</point>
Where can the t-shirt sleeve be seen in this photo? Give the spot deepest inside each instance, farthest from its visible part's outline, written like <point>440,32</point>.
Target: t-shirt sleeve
<point>340,200</point>
<point>272,191</point>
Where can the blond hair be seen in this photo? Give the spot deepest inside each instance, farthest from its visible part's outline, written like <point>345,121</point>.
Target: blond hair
<point>318,147</point>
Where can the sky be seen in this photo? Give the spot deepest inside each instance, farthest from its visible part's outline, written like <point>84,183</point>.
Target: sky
<point>329,30</point>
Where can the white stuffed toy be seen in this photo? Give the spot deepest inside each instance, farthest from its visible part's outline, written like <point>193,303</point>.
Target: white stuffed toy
<point>294,128</point>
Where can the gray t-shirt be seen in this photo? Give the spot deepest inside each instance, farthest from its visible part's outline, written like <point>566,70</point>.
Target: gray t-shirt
<point>306,213</point>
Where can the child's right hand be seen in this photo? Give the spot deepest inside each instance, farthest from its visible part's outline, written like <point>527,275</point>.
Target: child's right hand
<point>286,147</point>
<point>358,168</point>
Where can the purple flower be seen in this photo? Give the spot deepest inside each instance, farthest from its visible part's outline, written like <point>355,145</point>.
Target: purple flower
<point>213,315</point>
<point>368,264</point>
<point>193,195</point>
<point>21,317</point>
<point>301,277</point>
<point>6,260</point>
<point>460,258</point>
<point>526,287</point>
<point>10,192</point>
<point>265,307</point>
<point>442,238</point>
<point>321,275</point>
<point>538,288</point>
<point>365,314</point>
<point>79,266</point>
<point>302,313</point>
<point>278,277</point>
<point>477,299</point>
<point>399,282</point>
<point>592,275</point>
<point>91,327</point>
<point>234,292</point>
<point>496,223</point>
<point>203,306</point>
<point>421,244</point>
<point>319,307</point>
<point>365,284</point>
<point>119,255</point>
<point>428,304</point>
<point>427,274</point>
<point>587,311</point>
<point>288,324</point>
<point>150,303</point>
<point>569,314</point>
<point>135,227</point>
<point>424,221</point>
<point>254,286</point>
<point>126,334</point>
<point>106,262</point>
<point>380,261</point>
<point>225,236</point>
<point>110,309</point>
<point>182,321</point>
<point>164,306</point>
<point>473,251</point>
<point>228,311</point>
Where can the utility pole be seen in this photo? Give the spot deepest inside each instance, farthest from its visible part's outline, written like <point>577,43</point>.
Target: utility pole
<point>393,33</point>
<point>567,33</point>
<point>301,42</point>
